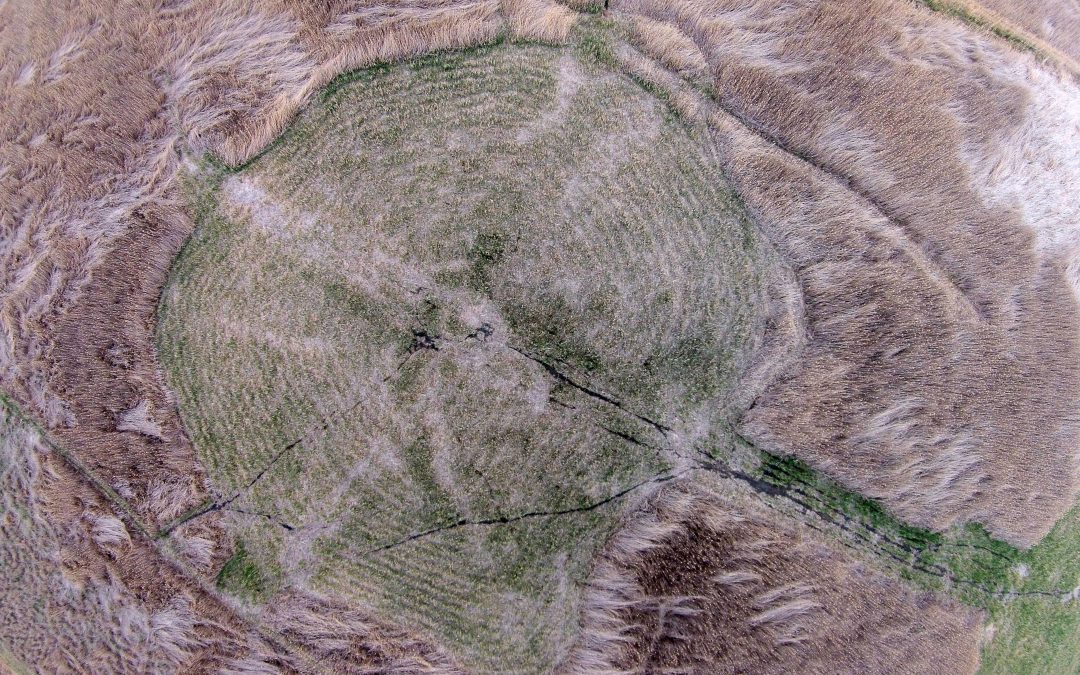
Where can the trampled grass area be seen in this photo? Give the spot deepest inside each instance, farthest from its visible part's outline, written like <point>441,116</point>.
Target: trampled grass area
<point>432,341</point>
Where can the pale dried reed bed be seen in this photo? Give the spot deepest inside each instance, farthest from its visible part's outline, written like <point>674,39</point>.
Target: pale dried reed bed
<point>543,20</point>
<point>704,583</point>
<point>942,371</point>
<point>669,45</point>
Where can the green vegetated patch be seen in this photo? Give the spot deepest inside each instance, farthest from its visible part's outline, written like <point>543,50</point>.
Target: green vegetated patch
<point>242,576</point>
<point>1041,633</point>
<point>596,43</point>
<point>1030,598</point>
<point>432,334</point>
<point>966,560</point>
<point>961,12</point>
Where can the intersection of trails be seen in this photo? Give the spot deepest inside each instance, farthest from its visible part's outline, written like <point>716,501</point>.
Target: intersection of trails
<point>431,343</point>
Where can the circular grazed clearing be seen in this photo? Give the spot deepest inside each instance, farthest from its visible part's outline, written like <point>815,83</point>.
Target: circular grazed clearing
<point>487,293</point>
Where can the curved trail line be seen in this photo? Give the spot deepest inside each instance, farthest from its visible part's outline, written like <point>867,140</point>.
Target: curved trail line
<point>504,520</point>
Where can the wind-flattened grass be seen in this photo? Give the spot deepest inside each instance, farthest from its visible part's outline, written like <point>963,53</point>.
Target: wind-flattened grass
<point>708,579</point>
<point>1054,24</point>
<point>435,336</point>
<point>963,12</point>
<point>934,421</point>
<point>60,608</point>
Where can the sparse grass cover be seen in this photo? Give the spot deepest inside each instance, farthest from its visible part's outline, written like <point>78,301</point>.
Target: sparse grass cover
<point>430,342</point>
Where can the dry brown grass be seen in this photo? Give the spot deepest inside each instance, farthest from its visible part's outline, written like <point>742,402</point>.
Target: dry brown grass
<point>83,592</point>
<point>89,227</point>
<point>101,100</point>
<point>940,373</point>
<point>940,370</point>
<point>543,20</point>
<point>669,45</point>
<point>346,640</point>
<point>703,583</point>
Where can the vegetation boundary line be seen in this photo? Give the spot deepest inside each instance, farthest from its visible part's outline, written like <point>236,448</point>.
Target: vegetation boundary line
<point>77,464</point>
<point>977,16</point>
<point>159,544</point>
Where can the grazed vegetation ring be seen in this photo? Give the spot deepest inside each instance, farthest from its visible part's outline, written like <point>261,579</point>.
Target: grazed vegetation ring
<point>430,341</point>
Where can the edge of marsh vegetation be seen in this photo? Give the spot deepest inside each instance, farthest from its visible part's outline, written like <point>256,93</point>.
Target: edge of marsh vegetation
<point>1030,596</point>
<point>962,12</point>
<point>1012,585</point>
